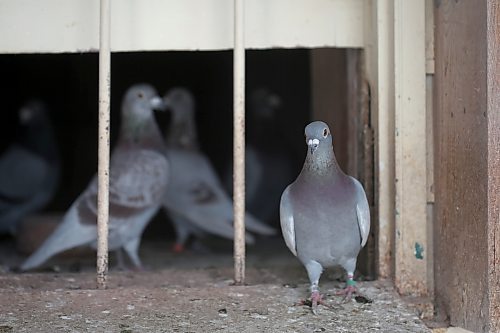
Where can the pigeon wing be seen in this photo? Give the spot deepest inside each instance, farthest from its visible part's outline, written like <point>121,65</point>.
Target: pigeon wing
<point>362,212</point>
<point>287,221</point>
<point>137,182</point>
<point>22,174</point>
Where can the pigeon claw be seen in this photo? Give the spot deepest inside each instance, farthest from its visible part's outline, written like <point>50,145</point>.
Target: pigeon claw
<point>178,248</point>
<point>316,299</point>
<point>348,292</point>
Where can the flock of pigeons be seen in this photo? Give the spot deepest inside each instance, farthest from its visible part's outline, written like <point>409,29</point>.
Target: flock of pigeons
<point>324,213</point>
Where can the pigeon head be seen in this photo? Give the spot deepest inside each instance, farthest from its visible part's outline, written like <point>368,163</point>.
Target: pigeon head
<point>182,129</point>
<point>264,104</point>
<point>180,102</point>
<point>36,131</point>
<point>32,113</point>
<point>139,102</point>
<point>138,122</point>
<point>318,136</point>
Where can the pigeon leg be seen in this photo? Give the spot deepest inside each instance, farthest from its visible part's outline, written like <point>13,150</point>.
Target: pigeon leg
<point>178,248</point>
<point>182,233</point>
<point>132,248</point>
<point>314,270</point>
<point>350,289</point>
<point>121,260</point>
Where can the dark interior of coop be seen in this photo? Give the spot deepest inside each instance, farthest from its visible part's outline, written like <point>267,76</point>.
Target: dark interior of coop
<point>306,84</point>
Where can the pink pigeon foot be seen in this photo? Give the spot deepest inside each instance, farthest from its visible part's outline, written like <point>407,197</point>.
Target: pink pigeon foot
<point>348,292</point>
<point>178,248</point>
<point>316,299</point>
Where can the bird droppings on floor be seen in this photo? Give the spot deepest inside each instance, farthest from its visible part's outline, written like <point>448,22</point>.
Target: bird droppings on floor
<point>185,299</point>
<point>158,302</point>
<point>194,293</point>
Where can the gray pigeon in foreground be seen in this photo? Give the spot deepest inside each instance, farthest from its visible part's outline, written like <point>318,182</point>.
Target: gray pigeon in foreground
<point>324,213</point>
<point>138,179</point>
<point>29,168</point>
<point>195,199</point>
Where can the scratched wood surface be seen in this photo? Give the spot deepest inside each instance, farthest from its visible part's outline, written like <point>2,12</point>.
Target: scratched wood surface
<point>467,163</point>
<point>493,59</point>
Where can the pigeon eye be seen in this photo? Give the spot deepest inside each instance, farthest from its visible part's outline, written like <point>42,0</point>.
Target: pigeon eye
<point>140,95</point>
<point>325,132</point>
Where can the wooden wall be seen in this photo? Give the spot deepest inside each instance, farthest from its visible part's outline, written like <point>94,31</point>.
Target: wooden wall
<point>467,154</point>
<point>340,97</point>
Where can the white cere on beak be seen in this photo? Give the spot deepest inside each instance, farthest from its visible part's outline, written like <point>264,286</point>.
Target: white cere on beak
<point>313,142</point>
<point>157,103</point>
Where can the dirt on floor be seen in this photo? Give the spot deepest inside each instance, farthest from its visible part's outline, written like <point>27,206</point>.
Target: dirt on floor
<point>193,292</point>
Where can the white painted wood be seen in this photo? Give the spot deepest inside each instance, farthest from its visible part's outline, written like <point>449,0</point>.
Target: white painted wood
<point>411,247</point>
<point>379,70</point>
<point>429,36</point>
<point>429,139</point>
<point>54,26</point>
<point>239,141</point>
<point>103,144</point>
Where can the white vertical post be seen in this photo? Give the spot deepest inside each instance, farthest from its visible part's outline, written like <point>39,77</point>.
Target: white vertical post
<point>103,144</point>
<point>411,246</point>
<point>239,143</point>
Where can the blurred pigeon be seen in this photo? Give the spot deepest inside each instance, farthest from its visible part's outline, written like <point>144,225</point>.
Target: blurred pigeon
<point>195,199</point>
<point>138,179</point>
<point>29,168</point>
<point>325,217</point>
<point>268,163</point>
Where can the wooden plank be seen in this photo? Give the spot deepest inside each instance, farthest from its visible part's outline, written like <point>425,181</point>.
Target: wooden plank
<point>329,102</point>
<point>429,36</point>
<point>363,151</point>
<point>340,97</point>
<point>493,105</point>
<point>54,26</point>
<point>411,258</point>
<point>429,143</point>
<point>379,61</point>
<point>467,163</point>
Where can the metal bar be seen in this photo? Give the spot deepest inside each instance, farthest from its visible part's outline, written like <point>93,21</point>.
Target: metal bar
<point>239,143</point>
<point>103,144</point>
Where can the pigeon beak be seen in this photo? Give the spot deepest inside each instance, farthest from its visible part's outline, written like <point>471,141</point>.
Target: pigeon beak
<point>313,145</point>
<point>157,103</point>
<point>25,115</point>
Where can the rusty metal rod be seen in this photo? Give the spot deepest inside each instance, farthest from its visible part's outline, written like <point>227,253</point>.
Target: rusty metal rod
<point>239,143</point>
<point>103,144</point>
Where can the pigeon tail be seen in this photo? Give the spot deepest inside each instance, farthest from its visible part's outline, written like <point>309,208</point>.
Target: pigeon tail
<point>69,234</point>
<point>254,225</point>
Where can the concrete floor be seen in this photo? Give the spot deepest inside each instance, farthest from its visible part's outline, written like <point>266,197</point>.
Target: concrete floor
<point>192,292</point>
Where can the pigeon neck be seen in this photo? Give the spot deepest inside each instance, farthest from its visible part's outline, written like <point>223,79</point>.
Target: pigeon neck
<point>182,133</point>
<point>322,162</point>
<point>141,133</point>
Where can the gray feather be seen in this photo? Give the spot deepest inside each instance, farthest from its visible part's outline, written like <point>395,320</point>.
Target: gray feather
<point>29,168</point>
<point>137,183</point>
<point>362,212</point>
<point>195,192</point>
<point>324,212</point>
<point>287,222</point>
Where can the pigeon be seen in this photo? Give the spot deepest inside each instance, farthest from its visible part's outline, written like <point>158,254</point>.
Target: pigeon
<point>269,164</point>
<point>324,213</point>
<point>29,168</point>
<point>137,183</point>
<point>195,200</point>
